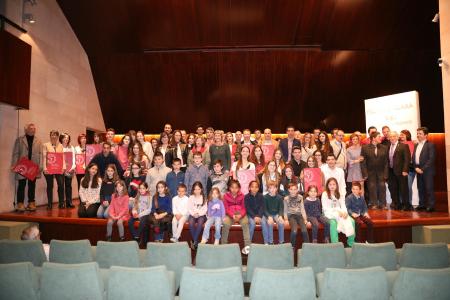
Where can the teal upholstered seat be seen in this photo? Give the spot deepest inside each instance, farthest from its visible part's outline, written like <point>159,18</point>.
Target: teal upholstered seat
<point>283,284</point>
<point>20,251</point>
<point>279,257</point>
<point>174,256</point>
<point>218,257</point>
<point>342,284</point>
<point>372,255</point>
<point>209,284</point>
<point>322,256</point>
<point>71,281</point>
<point>422,284</point>
<point>124,254</point>
<point>70,252</point>
<point>424,256</point>
<point>18,281</point>
<point>140,283</point>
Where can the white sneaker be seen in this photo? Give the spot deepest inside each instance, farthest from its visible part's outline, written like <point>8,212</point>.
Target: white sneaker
<point>173,240</point>
<point>203,241</point>
<point>246,250</point>
<point>216,242</point>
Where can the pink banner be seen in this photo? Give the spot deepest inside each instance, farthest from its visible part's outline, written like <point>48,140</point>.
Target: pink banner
<point>313,176</point>
<point>244,177</point>
<point>91,151</point>
<point>79,163</point>
<point>27,168</point>
<point>55,163</point>
<point>268,152</point>
<point>122,156</point>
<point>68,159</point>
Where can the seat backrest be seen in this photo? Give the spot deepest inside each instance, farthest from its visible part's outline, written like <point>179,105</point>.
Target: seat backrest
<point>424,256</point>
<point>340,284</point>
<point>175,256</point>
<point>71,281</point>
<point>70,252</point>
<point>322,256</point>
<point>18,281</point>
<point>218,257</point>
<point>140,283</point>
<point>372,255</point>
<point>20,251</point>
<point>279,257</point>
<point>433,284</point>
<point>124,254</point>
<point>283,284</point>
<point>211,284</point>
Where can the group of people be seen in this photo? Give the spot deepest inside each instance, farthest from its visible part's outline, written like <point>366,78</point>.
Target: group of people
<point>217,178</point>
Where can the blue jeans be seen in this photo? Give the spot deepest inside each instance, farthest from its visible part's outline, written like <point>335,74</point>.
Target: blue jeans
<point>102,212</point>
<point>268,230</point>
<point>252,226</point>
<point>217,221</point>
<point>196,226</point>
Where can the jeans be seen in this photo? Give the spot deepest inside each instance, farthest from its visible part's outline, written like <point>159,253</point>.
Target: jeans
<point>251,227</point>
<point>142,229</point>
<point>196,226</point>
<point>21,190</point>
<point>334,235</point>
<point>102,212</point>
<point>244,226</point>
<point>59,182</point>
<point>294,222</point>
<point>217,221</point>
<point>268,231</point>
<point>315,227</point>
<point>119,225</point>
<point>177,226</point>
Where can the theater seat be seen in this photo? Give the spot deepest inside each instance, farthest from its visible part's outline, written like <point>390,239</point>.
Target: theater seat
<point>218,257</point>
<point>124,254</point>
<point>18,281</point>
<point>412,284</point>
<point>71,281</point>
<point>283,284</point>
<point>372,255</point>
<point>208,284</point>
<point>424,256</point>
<point>321,256</point>
<point>175,256</point>
<point>342,284</point>
<point>140,283</point>
<point>279,257</point>
<point>21,251</point>
<point>70,252</point>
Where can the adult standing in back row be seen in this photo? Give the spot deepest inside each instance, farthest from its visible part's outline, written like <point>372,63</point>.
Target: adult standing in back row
<point>288,143</point>
<point>219,151</point>
<point>374,169</point>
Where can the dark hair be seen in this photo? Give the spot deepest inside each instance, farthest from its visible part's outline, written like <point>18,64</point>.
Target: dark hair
<point>331,155</point>
<point>166,192</point>
<point>370,128</point>
<point>233,181</point>
<point>115,175</point>
<point>218,161</point>
<point>321,153</point>
<point>54,132</point>
<point>327,190</point>
<point>134,163</point>
<point>253,181</point>
<point>385,126</point>
<point>158,154</point>
<point>124,136</point>
<point>182,185</point>
<point>407,134</point>
<point>289,126</point>
<point>423,129</point>
<point>200,185</point>
<point>107,144</point>
<point>312,186</point>
<point>111,129</point>
<point>197,153</point>
<point>199,126</point>
<point>176,159</point>
<point>87,177</point>
<point>374,135</point>
<point>62,136</point>
<point>296,148</point>
<point>357,184</point>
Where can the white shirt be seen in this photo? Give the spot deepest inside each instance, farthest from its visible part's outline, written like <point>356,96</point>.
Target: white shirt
<point>180,205</point>
<point>418,151</point>
<point>338,174</point>
<point>148,150</point>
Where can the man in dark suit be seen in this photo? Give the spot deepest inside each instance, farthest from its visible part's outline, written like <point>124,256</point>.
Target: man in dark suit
<point>399,160</point>
<point>287,144</point>
<point>374,169</point>
<point>385,139</point>
<point>423,160</point>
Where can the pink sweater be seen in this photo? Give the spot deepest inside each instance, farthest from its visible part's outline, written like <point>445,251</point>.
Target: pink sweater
<point>119,207</point>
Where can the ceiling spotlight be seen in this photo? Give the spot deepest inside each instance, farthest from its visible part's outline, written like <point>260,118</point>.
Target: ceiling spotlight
<point>29,18</point>
<point>436,18</point>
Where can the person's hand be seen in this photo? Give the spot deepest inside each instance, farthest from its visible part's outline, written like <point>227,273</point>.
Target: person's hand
<point>361,158</point>
<point>257,220</point>
<point>196,215</point>
<point>405,173</point>
<point>344,215</point>
<point>367,215</point>
<point>45,171</point>
<point>135,215</point>
<point>178,217</point>
<point>105,203</point>
<point>237,218</point>
<point>419,171</point>
<point>355,215</point>
<point>126,174</point>
<point>364,178</point>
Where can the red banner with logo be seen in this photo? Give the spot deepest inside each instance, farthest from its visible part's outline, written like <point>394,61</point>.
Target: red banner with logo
<point>313,176</point>
<point>27,168</point>
<point>68,159</point>
<point>244,177</point>
<point>268,152</point>
<point>55,162</point>
<point>80,163</point>
<point>122,156</point>
<point>91,151</point>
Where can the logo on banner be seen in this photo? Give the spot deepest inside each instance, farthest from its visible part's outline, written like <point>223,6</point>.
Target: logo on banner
<point>51,158</point>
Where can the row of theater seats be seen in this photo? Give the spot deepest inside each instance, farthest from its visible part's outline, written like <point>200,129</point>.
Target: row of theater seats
<point>177,257</point>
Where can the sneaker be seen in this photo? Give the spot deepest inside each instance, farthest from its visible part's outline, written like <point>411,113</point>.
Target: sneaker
<point>31,206</point>
<point>246,250</point>
<point>204,241</point>
<point>314,241</point>
<point>326,240</point>
<point>216,242</point>
<point>122,239</point>
<point>20,207</point>
<point>173,239</point>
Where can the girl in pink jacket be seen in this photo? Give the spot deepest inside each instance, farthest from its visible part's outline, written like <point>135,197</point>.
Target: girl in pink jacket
<point>118,210</point>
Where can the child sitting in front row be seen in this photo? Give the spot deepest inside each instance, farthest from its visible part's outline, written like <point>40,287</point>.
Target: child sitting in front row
<point>357,208</point>
<point>314,212</point>
<point>273,213</point>
<point>180,212</point>
<point>142,206</point>
<point>215,215</point>
<point>161,213</point>
<point>118,210</point>
<point>333,205</point>
<point>294,212</point>
<point>254,205</point>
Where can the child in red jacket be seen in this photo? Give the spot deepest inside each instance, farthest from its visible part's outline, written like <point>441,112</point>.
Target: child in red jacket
<point>233,202</point>
<point>118,210</point>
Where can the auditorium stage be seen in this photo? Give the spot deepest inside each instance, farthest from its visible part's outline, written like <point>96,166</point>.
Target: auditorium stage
<point>64,224</point>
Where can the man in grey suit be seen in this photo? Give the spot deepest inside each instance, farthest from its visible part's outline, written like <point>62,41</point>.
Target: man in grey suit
<point>424,157</point>
<point>28,146</point>
<point>374,169</point>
